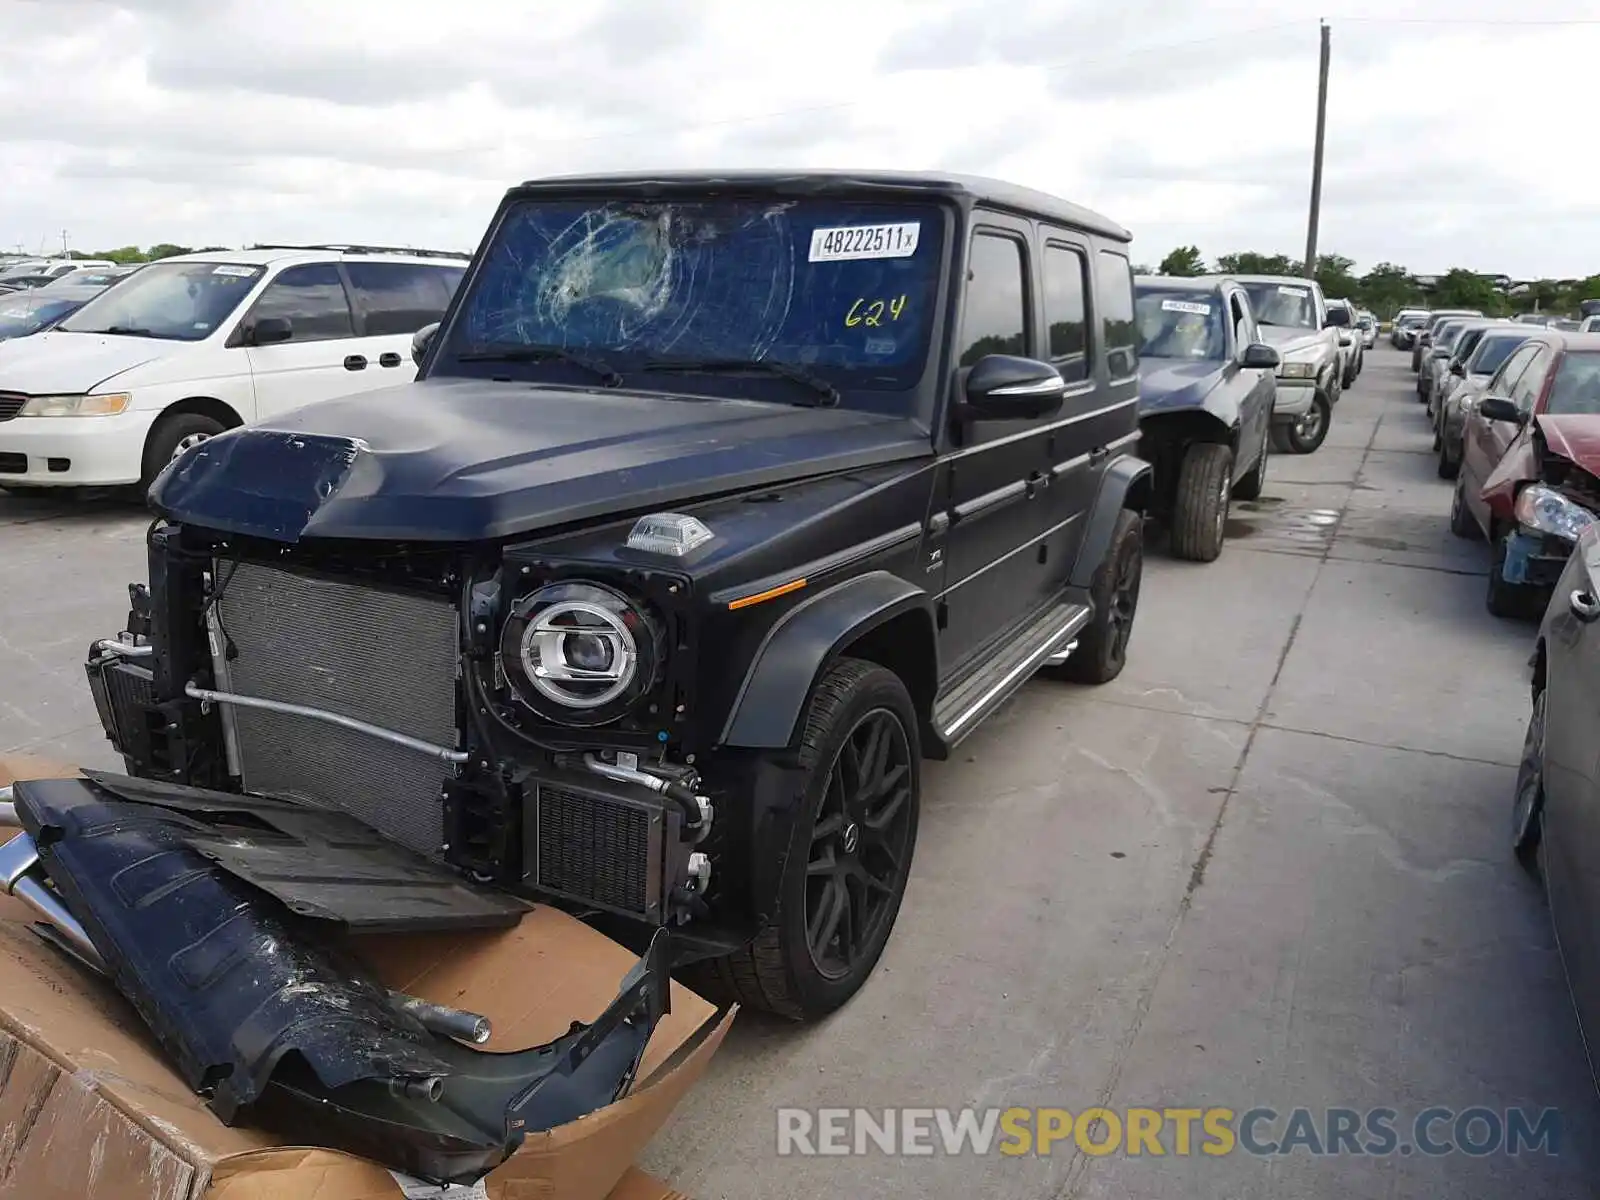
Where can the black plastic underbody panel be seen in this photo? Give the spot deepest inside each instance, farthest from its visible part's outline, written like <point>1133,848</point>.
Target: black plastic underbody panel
<point>268,1019</point>
<point>323,863</point>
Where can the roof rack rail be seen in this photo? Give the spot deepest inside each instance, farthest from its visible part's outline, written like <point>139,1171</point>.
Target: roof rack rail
<point>349,248</point>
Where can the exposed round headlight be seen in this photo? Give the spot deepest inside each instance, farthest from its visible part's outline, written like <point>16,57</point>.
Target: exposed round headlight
<point>579,653</point>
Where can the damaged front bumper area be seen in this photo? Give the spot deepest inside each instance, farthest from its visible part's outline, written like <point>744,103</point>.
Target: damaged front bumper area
<point>169,891</point>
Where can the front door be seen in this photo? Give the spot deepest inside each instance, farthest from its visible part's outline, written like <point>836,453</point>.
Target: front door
<point>1484,442</point>
<point>994,485</point>
<point>323,358</point>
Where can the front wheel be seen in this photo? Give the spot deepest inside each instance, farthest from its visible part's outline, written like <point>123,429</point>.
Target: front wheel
<point>1255,479</point>
<point>1103,645</point>
<point>1527,809</point>
<point>1200,512</point>
<point>1462,523</point>
<point>1308,433</point>
<point>849,854</point>
<point>171,436</point>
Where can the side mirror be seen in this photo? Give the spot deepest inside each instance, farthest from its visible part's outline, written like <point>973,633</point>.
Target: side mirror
<point>268,330</point>
<point>1498,408</point>
<point>1259,354</point>
<point>1003,387</point>
<point>1457,367</point>
<point>421,340</point>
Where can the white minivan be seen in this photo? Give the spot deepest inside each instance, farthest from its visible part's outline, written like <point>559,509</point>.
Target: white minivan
<point>188,347</point>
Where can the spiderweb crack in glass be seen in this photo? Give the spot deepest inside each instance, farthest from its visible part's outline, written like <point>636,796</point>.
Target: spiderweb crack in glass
<point>719,279</point>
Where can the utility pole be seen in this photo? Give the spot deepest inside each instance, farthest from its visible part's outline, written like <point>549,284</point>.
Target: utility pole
<point>63,243</point>
<point>1316,161</point>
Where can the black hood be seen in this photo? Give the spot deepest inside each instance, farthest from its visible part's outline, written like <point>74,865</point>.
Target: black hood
<point>466,460</point>
<point>1167,384</point>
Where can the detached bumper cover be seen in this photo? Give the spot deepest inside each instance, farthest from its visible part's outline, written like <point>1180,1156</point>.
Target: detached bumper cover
<point>262,1012</point>
<point>1535,559</point>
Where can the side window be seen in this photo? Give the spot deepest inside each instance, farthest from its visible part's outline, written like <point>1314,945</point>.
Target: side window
<point>1114,290</point>
<point>995,319</point>
<point>399,298</point>
<point>312,298</point>
<point>1066,274</point>
<point>1510,371</point>
<point>1526,390</point>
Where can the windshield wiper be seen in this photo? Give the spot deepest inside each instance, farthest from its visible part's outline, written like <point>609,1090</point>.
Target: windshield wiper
<point>532,354</point>
<point>120,331</point>
<point>734,366</point>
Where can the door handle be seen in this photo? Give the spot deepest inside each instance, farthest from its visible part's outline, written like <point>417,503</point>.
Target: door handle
<point>356,362</point>
<point>388,359</point>
<point>1584,605</point>
<point>1035,481</point>
<point>1098,455</point>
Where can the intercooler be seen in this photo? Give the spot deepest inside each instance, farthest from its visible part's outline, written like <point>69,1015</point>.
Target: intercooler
<point>385,657</point>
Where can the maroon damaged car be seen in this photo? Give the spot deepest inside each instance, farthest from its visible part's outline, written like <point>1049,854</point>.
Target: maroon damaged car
<point>1530,467</point>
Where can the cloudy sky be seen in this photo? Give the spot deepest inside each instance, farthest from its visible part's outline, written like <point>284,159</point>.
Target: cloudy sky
<point>1458,131</point>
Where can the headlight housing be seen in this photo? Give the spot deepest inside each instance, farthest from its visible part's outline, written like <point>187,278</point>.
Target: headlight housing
<point>107,404</point>
<point>580,653</point>
<point>1297,369</point>
<point>1546,510</point>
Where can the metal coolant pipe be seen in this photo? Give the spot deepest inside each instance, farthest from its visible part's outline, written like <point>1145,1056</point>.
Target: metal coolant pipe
<point>22,877</point>
<point>443,1020</point>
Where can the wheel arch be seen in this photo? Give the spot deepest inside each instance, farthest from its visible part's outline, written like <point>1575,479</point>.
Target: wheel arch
<point>1128,482</point>
<point>205,406</point>
<point>876,616</point>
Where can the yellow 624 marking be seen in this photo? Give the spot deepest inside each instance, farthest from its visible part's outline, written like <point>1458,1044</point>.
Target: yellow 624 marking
<point>872,312</point>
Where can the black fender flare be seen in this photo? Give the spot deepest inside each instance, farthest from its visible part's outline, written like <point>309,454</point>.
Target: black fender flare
<point>771,701</point>
<point>1126,483</point>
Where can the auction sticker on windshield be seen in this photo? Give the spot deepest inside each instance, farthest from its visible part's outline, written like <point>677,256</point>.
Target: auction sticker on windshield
<point>1293,291</point>
<point>229,269</point>
<point>1186,306</point>
<point>843,242</point>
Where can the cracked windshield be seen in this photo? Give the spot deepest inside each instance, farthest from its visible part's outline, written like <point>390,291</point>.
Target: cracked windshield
<point>686,600</point>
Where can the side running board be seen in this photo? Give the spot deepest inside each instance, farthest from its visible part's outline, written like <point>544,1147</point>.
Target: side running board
<point>1045,640</point>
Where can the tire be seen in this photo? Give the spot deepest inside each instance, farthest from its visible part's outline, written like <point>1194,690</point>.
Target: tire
<point>1438,440</point>
<point>1527,804</point>
<point>1449,465</point>
<point>1510,600</point>
<point>1416,358</point>
<point>171,434</point>
<point>1461,521</point>
<point>1103,645</point>
<point>778,971</point>
<point>1200,510</point>
<point>1308,433</point>
<point>1251,486</point>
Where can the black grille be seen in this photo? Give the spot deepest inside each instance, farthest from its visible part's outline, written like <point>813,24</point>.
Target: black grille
<point>11,404</point>
<point>123,693</point>
<point>595,849</point>
<point>13,464</point>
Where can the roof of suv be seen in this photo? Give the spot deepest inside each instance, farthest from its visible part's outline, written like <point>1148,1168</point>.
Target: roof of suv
<point>1297,280</point>
<point>818,182</point>
<point>266,256</point>
<point>1180,283</point>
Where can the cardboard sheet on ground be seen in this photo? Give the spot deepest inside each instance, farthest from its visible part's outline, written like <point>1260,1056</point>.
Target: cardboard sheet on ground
<point>90,1110</point>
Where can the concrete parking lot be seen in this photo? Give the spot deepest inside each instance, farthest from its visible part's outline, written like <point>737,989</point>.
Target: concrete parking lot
<point>1267,867</point>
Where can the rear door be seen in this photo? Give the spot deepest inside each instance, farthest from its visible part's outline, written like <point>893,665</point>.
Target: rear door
<point>312,365</point>
<point>393,300</point>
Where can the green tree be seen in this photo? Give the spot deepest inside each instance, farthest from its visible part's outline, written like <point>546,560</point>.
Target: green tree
<point>122,254</point>
<point>1184,261</point>
<point>1248,262</point>
<point>1460,288</point>
<point>165,250</point>
<point>1388,288</point>
<point>1334,277</point>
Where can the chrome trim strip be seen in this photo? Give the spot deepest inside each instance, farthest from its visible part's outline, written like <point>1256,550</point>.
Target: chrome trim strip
<point>1040,428</point>
<point>1028,545</point>
<point>21,876</point>
<point>821,566</point>
<point>1046,649</point>
<point>1072,464</point>
<point>443,753</point>
<point>989,500</point>
<point>1039,387</point>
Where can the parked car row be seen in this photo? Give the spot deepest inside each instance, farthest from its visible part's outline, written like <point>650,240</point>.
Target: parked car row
<point>23,314</point>
<point>1231,367</point>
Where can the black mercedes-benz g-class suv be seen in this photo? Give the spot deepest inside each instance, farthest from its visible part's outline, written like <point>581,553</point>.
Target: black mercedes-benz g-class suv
<point>718,504</point>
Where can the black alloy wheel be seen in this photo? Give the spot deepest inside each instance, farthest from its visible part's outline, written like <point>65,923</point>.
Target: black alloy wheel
<point>860,845</point>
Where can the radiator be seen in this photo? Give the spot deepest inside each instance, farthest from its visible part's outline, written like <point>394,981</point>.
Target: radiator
<point>381,656</point>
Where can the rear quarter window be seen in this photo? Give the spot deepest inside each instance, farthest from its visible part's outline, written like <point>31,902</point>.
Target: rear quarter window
<point>1114,291</point>
<point>400,298</point>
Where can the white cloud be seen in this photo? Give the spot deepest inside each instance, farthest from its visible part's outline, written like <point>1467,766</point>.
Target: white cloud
<point>402,121</point>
